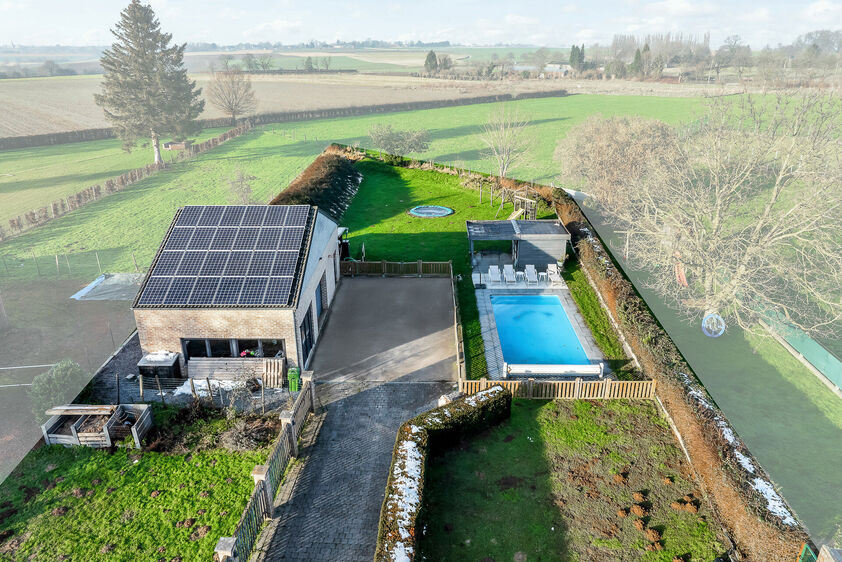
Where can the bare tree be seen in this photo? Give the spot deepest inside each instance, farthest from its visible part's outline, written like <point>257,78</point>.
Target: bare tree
<point>735,214</point>
<point>230,91</point>
<point>505,137</point>
<point>326,61</point>
<point>250,62</point>
<point>266,62</point>
<point>240,186</point>
<point>396,143</point>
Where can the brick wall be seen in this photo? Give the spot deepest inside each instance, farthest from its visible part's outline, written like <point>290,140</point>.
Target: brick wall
<point>163,329</point>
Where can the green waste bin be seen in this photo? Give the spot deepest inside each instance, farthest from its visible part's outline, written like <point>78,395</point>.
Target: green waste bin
<point>294,376</point>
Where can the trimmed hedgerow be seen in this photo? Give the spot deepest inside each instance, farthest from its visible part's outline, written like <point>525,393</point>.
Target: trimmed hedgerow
<point>422,435</point>
<point>329,183</point>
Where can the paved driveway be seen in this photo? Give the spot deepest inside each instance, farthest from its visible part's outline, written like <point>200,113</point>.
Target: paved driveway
<point>387,354</point>
<point>388,329</point>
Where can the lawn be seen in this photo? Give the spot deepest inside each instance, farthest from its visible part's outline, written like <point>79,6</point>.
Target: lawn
<point>560,481</point>
<point>378,219</point>
<point>35,177</point>
<point>91,504</point>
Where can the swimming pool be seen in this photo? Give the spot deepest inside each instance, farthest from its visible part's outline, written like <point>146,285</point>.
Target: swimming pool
<point>535,330</point>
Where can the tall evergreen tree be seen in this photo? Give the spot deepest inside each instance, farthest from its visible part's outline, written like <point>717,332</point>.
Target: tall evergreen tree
<point>582,57</point>
<point>574,56</point>
<point>431,63</point>
<point>145,89</point>
<point>636,67</point>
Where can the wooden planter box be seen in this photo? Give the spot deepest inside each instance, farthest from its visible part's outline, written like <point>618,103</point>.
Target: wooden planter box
<point>67,426</point>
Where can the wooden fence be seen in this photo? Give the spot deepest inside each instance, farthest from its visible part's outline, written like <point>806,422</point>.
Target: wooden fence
<point>397,268</point>
<point>605,389</point>
<point>267,480</point>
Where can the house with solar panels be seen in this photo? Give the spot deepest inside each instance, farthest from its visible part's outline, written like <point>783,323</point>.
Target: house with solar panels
<point>235,287</point>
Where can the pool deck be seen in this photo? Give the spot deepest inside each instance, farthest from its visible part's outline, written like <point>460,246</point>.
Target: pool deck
<point>493,350</point>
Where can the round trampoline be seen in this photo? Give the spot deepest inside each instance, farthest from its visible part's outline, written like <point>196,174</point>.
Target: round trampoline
<point>430,211</point>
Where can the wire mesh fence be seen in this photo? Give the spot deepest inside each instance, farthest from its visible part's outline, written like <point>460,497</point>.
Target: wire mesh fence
<point>70,265</point>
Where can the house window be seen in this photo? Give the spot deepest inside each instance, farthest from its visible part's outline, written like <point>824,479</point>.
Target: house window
<point>248,348</point>
<point>220,348</point>
<point>306,331</point>
<point>318,298</point>
<point>195,348</point>
<point>272,348</point>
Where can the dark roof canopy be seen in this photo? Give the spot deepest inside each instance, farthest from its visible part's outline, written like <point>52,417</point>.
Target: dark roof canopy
<point>516,230</point>
<point>235,256</point>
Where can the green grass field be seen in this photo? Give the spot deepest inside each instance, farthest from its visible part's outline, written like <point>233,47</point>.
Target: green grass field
<point>136,219</point>
<point>35,177</point>
<point>92,504</point>
<point>548,484</point>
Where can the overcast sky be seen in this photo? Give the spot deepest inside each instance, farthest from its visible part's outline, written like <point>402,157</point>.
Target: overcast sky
<point>480,22</point>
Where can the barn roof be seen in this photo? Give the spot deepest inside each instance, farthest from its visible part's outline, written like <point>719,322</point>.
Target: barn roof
<point>230,256</point>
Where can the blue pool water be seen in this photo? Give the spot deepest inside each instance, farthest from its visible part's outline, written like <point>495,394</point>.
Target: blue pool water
<point>535,330</point>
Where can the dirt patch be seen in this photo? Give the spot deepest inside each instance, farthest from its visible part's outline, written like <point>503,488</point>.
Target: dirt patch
<point>78,492</point>
<point>6,514</point>
<point>509,483</point>
<point>106,548</point>
<point>93,424</point>
<point>60,511</point>
<point>28,493</point>
<point>200,533</point>
<point>508,438</point>
<point>12,545</point>
<point>186,524</point>
<point>155,494</point>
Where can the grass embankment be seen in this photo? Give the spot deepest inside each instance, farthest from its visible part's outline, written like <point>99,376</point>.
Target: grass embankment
<point>560,481</point>
<point>35,177</point>
<point>378,218</point>
<point>91,504</point>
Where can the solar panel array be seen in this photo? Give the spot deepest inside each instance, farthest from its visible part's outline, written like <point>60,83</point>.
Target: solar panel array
<point>243,255</point>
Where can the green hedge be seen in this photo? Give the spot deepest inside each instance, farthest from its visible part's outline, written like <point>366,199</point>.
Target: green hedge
<point>329,183</point>
<point>421,436</point>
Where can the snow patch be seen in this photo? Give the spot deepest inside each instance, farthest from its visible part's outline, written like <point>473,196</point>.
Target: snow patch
<point>406,480</point>
<point>202,386</point>
<point>744,461</point>
<point>774,503</point>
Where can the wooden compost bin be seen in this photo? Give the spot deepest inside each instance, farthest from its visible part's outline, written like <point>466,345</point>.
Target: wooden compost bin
<point>97,426</point>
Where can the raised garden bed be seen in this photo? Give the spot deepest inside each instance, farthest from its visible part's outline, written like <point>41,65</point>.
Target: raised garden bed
<point>97,426</point>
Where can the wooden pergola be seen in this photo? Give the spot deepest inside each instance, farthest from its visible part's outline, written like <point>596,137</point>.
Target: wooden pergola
<point>535,242</point>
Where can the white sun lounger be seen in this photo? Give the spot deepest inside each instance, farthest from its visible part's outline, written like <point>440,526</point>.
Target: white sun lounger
<point>553,274</point>
<point>493,274</point>
<point>509,274</point>
<point>531,275</point>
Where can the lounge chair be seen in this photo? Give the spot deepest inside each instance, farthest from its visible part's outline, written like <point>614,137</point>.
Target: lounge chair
<point>531,275</point>
<point>509,274</point>
<point>553,274</point>
<point>493,274</point>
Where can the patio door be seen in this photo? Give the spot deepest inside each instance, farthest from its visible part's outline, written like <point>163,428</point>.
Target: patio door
<point>306,331</point>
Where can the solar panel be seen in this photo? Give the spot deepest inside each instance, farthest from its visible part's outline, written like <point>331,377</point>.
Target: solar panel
<point>277,291</point>
<point>201,239</point>
<point>238,263</point>
<point>291,239</point>
<point>214,263</point>
<point>246,238</point>
<point>232,216</point>
<point>228,291</point>
<point>189,216</point>
<point>236,255</point>
<point>155,290</point>
<point>223,239</point>
<point>253,290</point>
<point>180,290</point>
<point>179,237</point>
<point>191,263</point>
<point>261,264</point>
<point>211,216</point>
<point>167,263</point>
<point>297,215</point>
<point>254,215</point>
<point>275,216</point>
<point>204,290</point>
<point>268,239</point>
<point>285,263</point>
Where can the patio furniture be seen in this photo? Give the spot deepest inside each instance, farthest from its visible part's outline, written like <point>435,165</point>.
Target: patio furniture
<point>509,274</point>
<point>553,274</point>
<point>531,275</point>
<point>543,278</point>
<point>494,274</point>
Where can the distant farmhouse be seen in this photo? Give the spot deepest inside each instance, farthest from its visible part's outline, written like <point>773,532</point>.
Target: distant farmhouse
<point>231,285</point>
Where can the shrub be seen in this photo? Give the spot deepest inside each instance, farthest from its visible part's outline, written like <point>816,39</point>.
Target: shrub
<point>330,183</point>
<point>56,387</point>
<point>431,431</point>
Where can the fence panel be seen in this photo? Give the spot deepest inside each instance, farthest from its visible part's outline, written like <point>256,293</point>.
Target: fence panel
<point>567,389</point>
<point>250,523</point>
<point>396,268</point>
<point>276,463</point>
<point>301,407</point>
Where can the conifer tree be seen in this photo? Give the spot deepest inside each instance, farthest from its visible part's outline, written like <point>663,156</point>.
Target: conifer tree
<point>145,88</point>
<point>431,64</point>
<point>574,56</point>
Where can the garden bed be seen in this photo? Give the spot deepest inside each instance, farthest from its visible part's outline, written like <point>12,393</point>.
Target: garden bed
<point>171,501</point>
<point>575,480</point>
